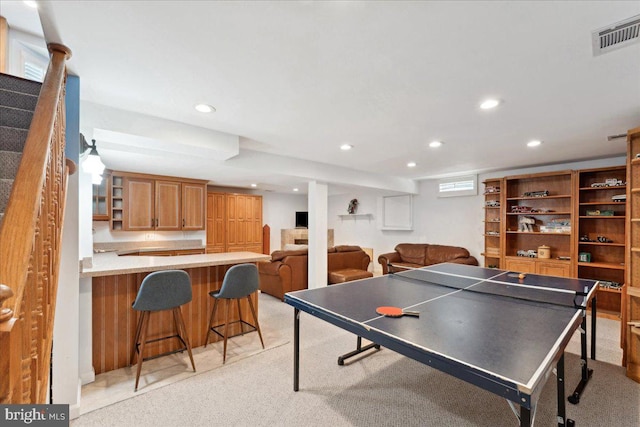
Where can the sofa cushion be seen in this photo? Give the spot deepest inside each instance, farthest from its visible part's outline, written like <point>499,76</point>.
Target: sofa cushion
<point>278,255</point>
<point>347,248</point>
<point>413,253</point>
<point>439,253</point>
<point>399,266</point>
<point>347,275</point>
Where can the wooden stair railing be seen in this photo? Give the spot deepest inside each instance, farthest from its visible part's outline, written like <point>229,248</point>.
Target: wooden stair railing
<point>30,245</point>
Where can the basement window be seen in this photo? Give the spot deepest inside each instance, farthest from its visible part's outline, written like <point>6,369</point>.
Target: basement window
<point>458,186</point>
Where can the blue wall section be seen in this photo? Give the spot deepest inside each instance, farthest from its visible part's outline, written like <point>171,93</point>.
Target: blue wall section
<point>72,149</point>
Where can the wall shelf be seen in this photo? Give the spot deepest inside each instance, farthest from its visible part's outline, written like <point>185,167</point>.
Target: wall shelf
<point>357,216</point>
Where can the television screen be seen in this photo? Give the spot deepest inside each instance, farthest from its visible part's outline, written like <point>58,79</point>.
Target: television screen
<point>302,219</point>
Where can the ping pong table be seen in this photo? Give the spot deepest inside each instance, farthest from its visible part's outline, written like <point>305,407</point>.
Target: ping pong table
<point>496,329</point>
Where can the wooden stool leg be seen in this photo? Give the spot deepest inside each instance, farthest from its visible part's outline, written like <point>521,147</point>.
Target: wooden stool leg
<point>143,340</point>
<point>240,317</point>
<point>182,331</point>
<point>255,319</point>
<point>226,328</point>
<point>213,315</point>
<point>136,341</point>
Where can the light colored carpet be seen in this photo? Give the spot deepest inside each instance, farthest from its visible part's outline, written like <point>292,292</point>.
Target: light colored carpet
<point>385,389</point>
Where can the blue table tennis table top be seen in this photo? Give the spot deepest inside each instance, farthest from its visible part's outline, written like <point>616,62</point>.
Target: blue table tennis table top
<point>505,344</point>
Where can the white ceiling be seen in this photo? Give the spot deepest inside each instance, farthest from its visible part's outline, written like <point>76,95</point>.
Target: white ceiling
<point>298,79</point>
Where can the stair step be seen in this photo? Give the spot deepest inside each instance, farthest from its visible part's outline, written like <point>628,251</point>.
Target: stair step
<point>23,101</point>
<point>15,117</point>
<point>5,192</point>
<point>9,162</point>
<point>18,84</point>
<point>12,139</point>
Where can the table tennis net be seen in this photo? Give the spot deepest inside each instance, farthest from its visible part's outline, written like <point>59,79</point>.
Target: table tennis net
<point>508,289</point>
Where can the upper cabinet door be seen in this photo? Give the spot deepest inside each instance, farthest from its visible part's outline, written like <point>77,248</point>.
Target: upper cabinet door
<point>139,212</point>
<point>168,206</point>
<point>101,197</point>
<point>193,206</point>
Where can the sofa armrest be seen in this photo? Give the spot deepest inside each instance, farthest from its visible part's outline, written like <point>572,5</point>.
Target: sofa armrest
<point>388,258</point>
<point>470,260</point>
<point>275,278</point>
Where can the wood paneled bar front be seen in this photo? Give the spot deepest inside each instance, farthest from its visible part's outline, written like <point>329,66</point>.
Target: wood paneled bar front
<point>115,284</point>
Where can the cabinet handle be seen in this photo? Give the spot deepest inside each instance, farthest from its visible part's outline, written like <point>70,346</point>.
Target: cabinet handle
<point>152,222</point>
<point>156,222</point>
<point>183,222</point>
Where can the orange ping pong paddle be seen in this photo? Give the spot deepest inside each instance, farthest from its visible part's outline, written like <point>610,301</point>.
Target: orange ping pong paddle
<point>396,312</point>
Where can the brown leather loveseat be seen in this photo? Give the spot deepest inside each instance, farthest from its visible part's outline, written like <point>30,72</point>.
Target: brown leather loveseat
<point>288,270</point>
<point>416,255</point>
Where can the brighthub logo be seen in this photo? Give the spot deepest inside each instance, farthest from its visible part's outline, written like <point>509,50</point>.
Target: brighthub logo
<point>34,415</point>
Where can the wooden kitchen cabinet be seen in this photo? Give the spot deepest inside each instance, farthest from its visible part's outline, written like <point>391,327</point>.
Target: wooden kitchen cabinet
<point>138,207</point>
<point>216,224</point>
<point>143,202</point>
<point>193,206</point>
<point>234,222</point>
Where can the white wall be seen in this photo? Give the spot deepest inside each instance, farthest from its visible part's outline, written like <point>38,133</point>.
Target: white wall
<point>279,212</point>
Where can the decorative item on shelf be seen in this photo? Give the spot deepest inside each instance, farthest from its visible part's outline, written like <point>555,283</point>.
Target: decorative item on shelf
<point>492,203</point>
<point>598,212</point>
<point>353,206</point>
<point>544,252</point>
<point>529,253</point>
<point>609,182</point>
<point>619,198</point>
<point>609,284</point>
<point>491,189</point>
<point>521,209</point>
<point>526,223</point>
<point>603,239</point>
<point>584,257</point>
<point>557,225</point>
<point>586,238</point>
<point>543,193</point>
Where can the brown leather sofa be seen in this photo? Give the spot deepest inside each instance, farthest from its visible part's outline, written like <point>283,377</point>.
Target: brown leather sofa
<point>416,255</point>
<point>288,271</point>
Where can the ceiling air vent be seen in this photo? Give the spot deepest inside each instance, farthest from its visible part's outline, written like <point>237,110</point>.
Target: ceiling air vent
<point>615,36</point>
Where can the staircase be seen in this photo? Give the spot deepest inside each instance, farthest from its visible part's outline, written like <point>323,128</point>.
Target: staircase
<point>18,98</point>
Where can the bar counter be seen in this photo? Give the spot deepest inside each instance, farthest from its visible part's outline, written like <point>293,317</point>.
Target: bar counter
<point>115,283</point>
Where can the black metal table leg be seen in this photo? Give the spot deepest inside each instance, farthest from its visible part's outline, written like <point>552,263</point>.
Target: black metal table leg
<point>562,412</point>
<point>525,417</point>
<point>296,349</point>
<point>586,372</point>
<point>593,328</point>
<point>359,349</point>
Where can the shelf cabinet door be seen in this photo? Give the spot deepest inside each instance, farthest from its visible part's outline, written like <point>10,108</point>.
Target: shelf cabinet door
<point>101,199</point>
<point>520,265</point>
<point>139,208</point>
<point>216,222</point>
<point>167,206</point>
<point>193,206</point>
<point>550,268</point>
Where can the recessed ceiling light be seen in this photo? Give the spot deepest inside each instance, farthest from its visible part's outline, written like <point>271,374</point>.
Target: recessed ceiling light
<point>346,147</point>
<point>435,144</point>
<point>32,4</point>
<point>534,143</point>
<point>411,164</point>
<point>488,104</point>
<point>205,108</point>
<point>295,189</point>
<point>254,185</point>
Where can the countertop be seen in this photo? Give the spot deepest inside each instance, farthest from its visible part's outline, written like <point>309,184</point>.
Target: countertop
<point>110,264</point>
